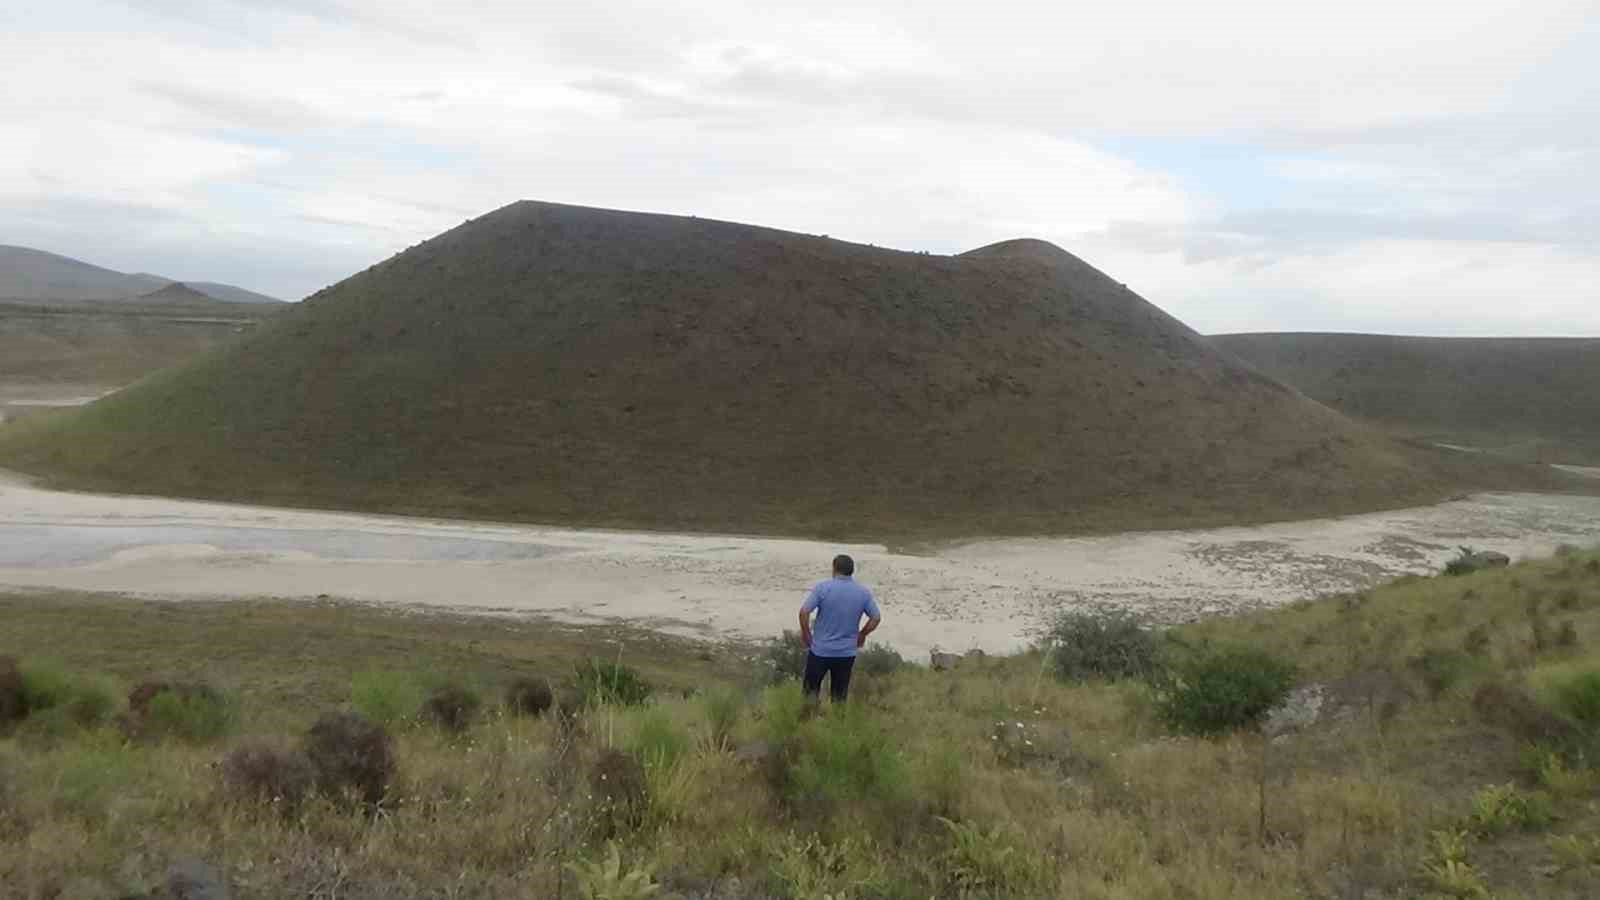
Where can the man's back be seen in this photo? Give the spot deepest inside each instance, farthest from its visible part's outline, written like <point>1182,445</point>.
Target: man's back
<point>839,603</point>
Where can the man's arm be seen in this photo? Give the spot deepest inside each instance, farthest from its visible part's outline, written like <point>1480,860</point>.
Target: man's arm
<point>870,627</point>
<point>813,600</point>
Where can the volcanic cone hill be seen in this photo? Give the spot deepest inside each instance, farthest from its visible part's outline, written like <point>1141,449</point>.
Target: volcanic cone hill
<point>565,364</point>
<point>1535,398</point>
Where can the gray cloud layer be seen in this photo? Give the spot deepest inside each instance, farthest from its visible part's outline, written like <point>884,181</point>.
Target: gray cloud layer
<point>1428,167</point>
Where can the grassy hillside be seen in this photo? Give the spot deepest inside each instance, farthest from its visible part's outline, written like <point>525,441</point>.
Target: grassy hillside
<point>111,345</point>
<point>1454,757</point>
<point>565,364</point>
<point>1528,398</point>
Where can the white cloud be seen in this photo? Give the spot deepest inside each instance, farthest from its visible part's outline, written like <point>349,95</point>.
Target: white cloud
<point>1390,156</point>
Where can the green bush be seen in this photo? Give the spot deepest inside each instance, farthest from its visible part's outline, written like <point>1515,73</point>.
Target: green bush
<point>783,711</point>
<point>1579,698</point>
<point>658,740</point>
<point>600,682</point>
<point>879,659</point>
<point>1102,644</point>
<point>845,755</point>
<point>70,698</point>
<point>991,862</point>
<point>388,698</point>
<point>1442,669</point>
<point>196,715</point>
<point>1221,689</point>
<point>782,658</point>
<point>941,777</point>
<point>722,707</point>
<point>1499,808</point>
<point>91,777</point>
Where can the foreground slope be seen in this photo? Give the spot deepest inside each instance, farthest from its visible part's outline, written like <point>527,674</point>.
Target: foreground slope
<point>1534,397</point>
<point>1446,747</point>
<point>567,364</point>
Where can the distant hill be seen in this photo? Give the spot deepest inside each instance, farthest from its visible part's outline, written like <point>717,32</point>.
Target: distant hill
<point>228,293</point>
<point>595,367</point>
<point>36,276</point>
<point>178,294</point>
<point>1533,398</point>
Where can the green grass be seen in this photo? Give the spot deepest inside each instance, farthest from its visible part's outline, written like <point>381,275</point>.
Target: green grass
<point>113,344</point>
<point>1520,398</point>
<point>388,698</point>
<point>985,782</point>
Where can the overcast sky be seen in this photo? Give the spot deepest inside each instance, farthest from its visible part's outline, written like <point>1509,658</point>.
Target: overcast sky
<point>1420,167</point>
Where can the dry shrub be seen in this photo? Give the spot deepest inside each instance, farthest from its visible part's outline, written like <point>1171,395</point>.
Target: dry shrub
<point>267,771</point>
<point>451,707</point>
<point>13,707</point>
<point>529,696</point>
<point>617,783</point>
<point>351,755</point>
<point>1516,710</point>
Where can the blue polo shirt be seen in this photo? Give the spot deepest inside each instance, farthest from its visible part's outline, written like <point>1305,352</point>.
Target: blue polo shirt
<point>839,602</point>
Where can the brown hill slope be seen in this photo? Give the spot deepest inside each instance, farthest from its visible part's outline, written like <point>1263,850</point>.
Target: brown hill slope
<point>560,363</point>
<point>1530,397</point>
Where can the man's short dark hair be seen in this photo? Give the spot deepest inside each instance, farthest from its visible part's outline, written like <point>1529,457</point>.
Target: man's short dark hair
<point>844,565</point>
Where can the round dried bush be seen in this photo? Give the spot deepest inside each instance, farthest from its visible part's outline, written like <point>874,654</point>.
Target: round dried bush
<point>351,756</point>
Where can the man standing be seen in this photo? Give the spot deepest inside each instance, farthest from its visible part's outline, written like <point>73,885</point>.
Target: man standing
<point>839,604</point>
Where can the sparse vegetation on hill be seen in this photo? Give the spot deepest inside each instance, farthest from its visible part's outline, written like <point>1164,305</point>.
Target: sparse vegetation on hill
<point>1386,773</point>
<point>111,345</point>
<point>563,364</point>
<point>1523,398</point>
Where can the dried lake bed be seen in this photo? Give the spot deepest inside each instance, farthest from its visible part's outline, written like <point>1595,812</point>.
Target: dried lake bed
<point>992,594</point>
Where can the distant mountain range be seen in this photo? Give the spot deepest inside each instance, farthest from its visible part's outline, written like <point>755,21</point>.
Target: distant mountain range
<point>37,276</point>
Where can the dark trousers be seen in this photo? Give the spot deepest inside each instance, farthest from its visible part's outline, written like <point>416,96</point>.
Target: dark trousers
<point>837,668</point>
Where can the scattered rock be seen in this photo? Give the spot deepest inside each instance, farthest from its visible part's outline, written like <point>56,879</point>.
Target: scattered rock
<point>1472,560</point>
<point>941,661</point>
<point>192,879</point>
<point>1374,693</point>
<point>755,752</point>
<point>1298,711</point>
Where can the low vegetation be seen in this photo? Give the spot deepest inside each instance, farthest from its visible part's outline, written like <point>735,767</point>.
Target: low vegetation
<point>1433,746</point>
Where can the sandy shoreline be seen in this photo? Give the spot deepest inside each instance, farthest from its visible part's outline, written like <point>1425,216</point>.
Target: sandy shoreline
<point>988,594</point>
